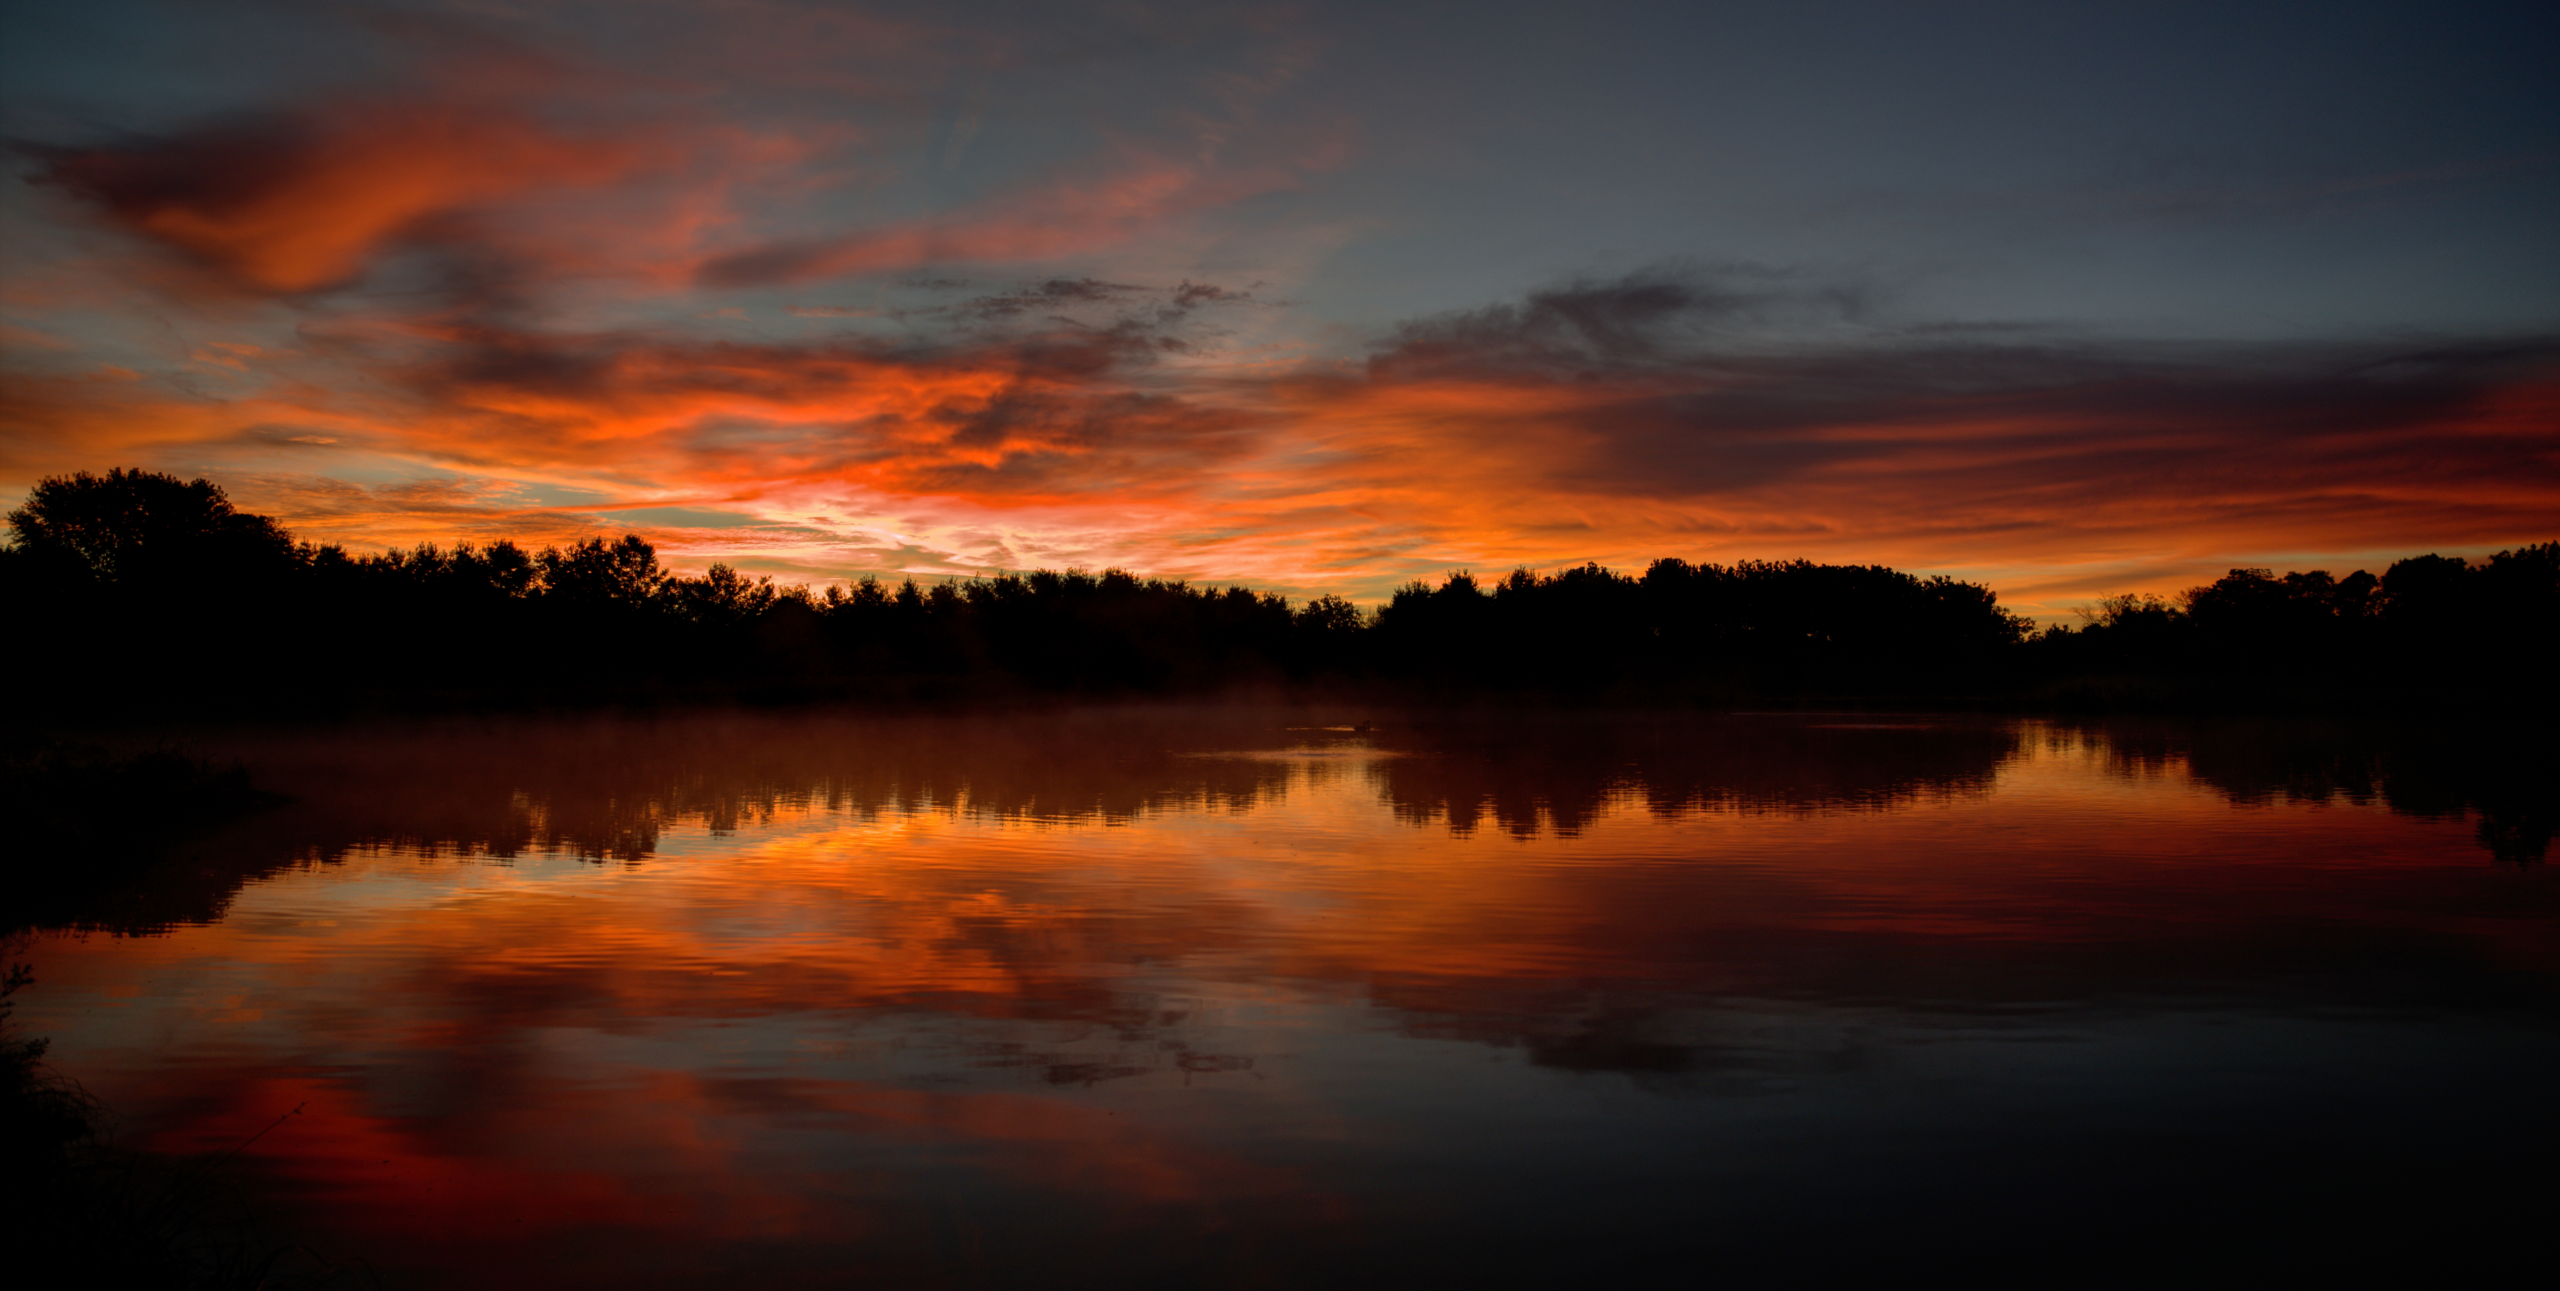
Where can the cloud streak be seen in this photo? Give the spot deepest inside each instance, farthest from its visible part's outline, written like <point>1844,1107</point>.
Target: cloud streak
<point>853,289</point>
<point>1615,420</point>
<point>304,202</point>
<point>1063,218</point>
<point>1657,404</point>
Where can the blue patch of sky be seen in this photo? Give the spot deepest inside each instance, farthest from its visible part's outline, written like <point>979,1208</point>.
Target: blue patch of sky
<point>683,518</point>
<point>2186,167</point>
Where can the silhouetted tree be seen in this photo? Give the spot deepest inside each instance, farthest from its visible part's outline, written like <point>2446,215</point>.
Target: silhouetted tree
<point>721,598</point>
<point>148,590</point>
<point>142,581</point>
<point>142,529</point>
<point>597,573</point>
<point>2252,618</point>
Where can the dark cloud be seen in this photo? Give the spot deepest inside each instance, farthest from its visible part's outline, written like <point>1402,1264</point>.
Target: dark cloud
<point>1192,295</point>
<point>767,266</point>
<point>1668,400</point>
<point>216,167</point>
<point>1644,319</point>
<point>290,203</point>
<point>1084,320</point>
<point>1056,293</point>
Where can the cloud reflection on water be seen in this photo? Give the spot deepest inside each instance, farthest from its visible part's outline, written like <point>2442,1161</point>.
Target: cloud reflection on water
<point>664,998</point>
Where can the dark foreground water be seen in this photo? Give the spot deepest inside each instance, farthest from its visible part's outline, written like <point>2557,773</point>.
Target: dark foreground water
<point>1243,999</point>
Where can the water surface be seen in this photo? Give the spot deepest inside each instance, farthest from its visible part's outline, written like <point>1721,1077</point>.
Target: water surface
<point>1256,999</point>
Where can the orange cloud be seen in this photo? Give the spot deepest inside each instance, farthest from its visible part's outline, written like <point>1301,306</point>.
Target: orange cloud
<point>305,202</point>
<point>1082,421</point>
<point>1612,421</point>
<point>566,175</point>
<point>1065,217</point>
<point>2065,475</point>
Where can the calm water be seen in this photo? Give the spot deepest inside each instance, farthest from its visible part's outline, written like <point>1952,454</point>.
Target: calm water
<point>1237,999</point>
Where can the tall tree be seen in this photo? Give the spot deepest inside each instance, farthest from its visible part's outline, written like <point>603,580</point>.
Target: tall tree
<point>133,527</point>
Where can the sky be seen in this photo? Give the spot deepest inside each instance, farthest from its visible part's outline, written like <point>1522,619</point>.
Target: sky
<point>2069,299</point>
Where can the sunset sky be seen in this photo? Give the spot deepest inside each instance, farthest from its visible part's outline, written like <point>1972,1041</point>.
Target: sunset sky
<point>2070,299</point>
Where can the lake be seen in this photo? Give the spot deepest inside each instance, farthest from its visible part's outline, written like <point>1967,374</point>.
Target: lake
<point>1265,998</point>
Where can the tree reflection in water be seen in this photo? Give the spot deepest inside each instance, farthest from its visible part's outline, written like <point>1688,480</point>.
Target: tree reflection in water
<point>1227,995</point>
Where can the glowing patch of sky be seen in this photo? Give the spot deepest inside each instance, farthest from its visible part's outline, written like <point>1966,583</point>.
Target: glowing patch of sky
<point>945,288</point>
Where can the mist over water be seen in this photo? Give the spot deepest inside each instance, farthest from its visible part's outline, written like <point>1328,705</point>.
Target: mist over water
<point>1236,997</point>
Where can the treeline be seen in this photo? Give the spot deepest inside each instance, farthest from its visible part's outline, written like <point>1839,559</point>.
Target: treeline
<point>2429,631</point>
<point>139,590</point>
